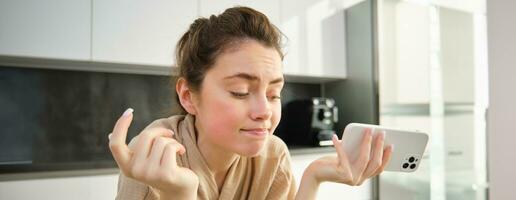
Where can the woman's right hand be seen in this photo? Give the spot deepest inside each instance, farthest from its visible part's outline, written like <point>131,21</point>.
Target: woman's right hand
<point>152,159</point>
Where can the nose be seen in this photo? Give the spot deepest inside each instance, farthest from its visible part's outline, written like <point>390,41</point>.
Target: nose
<point>260,108</point>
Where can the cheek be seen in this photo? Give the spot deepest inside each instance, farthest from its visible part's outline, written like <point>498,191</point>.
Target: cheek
<point>222,117</point>
<point>276,115</point>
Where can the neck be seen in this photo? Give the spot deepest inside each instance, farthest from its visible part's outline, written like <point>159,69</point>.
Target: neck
<point>219,160</point>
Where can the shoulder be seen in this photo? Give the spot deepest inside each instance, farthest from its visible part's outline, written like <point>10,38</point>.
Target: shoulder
<point>168,123</point>
<point>282,182</point>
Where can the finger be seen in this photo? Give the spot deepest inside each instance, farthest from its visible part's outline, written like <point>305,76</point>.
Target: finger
<point>376,160</point>
<point>387,155</point>
<point>117,145</point>
<point>169,159</point>
<point>365,153</point>
<point>143,146</point>
<point>158,147</point>
<point>341,153</point>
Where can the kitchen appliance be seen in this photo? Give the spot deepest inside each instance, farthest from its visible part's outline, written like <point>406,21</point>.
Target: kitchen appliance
<point>309,122</point>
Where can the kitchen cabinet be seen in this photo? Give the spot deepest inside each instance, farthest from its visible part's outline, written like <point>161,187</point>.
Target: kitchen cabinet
<point>139,32</point>
<point>316,32</point>
<point>271,8</point>
<point>471,6</point>
<point>58,29</point>
<point>145,33</point>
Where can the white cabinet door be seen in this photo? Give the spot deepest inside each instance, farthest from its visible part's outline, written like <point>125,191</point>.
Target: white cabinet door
<point>316,43</point>
<point>271,8</point>
<point>139,32</point>
<point>330,190</point>
<point>46,29</point>
<point>471,6</point>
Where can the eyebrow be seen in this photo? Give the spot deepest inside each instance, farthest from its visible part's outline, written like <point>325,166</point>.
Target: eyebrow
<point>253,78</point>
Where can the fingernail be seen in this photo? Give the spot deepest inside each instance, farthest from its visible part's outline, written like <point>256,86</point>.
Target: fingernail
<point>128,112</point>
<point>382,135</point>
<point>171,132</point>
<point>392,147</point>
<point>109,136</point>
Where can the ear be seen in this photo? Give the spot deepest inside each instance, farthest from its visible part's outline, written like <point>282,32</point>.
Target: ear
<point>186,96</point>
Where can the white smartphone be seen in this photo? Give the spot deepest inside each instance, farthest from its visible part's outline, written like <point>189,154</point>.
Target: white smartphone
<point>409,145</point>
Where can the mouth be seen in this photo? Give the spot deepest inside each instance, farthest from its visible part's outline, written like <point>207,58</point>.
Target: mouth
<point>255,132</point>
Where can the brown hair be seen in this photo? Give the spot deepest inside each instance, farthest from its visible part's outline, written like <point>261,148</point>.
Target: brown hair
<point>207,38</point>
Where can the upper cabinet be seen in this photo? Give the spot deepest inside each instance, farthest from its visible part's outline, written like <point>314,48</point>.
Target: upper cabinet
<point>146,32</point>
<point>470,6</point>
<point>58,29</point>
<point>271,8</point>
<point>139,32</point>
<point>316,32</point>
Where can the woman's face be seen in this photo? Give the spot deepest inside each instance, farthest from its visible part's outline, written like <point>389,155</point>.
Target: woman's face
<point>238,106</point>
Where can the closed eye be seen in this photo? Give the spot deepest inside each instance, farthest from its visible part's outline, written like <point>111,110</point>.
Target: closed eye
<point>275,97</point>
<point>239,94</point>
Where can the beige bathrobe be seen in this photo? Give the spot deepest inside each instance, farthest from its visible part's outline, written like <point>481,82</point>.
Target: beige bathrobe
<point>266,176</point>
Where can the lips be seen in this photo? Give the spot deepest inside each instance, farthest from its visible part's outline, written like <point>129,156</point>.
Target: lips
<point>257,132</point>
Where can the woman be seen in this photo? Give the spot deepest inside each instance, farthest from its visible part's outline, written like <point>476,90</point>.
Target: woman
<point>222,147</point>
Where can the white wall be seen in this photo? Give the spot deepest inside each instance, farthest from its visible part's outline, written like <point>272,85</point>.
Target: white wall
<point>501,133</point>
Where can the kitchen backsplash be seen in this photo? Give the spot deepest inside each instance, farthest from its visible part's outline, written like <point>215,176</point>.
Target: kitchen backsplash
<point>59,119</point>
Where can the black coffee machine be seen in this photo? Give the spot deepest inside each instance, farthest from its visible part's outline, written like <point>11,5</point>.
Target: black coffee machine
<point>309,122</point>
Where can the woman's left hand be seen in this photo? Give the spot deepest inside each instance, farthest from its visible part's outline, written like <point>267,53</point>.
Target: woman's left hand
<point>371,161</point>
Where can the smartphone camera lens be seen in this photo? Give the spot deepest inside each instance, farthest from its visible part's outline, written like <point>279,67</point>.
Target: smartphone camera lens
<point>411,159</point>
<point>412,166</point>
<point>405,165</point>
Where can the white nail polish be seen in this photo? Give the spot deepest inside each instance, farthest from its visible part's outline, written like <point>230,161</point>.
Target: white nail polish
<point>128,112</point>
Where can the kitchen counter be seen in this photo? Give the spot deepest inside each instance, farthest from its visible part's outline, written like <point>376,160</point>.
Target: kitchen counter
<point>303,150</point>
